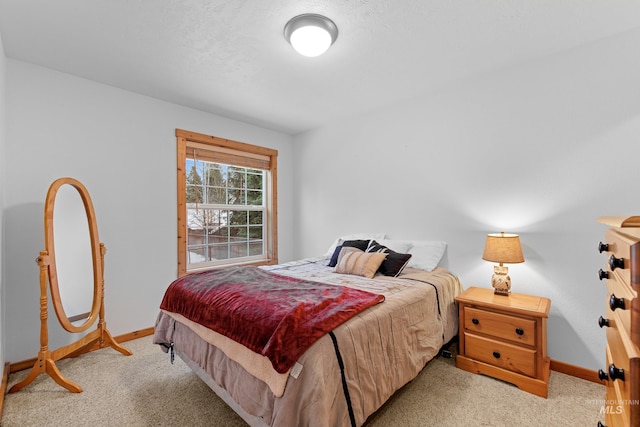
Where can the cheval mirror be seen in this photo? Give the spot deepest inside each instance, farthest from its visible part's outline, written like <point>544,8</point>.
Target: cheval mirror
<point>80,262</point>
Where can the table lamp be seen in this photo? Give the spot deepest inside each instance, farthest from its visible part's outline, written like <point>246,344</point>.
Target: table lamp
<point>502,248</point>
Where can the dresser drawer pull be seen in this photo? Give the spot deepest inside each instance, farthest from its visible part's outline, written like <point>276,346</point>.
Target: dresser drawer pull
<point>616,373</point>
<point>475,321</point>
<point>519,331</point>
<point>616,303</point>
<point>616,262</point>
<point>601,425</point>
<point>496,354</point>
<point>603,274</point>
<point>602,322</point>
<point>602,375</point>
<point>603,247</point>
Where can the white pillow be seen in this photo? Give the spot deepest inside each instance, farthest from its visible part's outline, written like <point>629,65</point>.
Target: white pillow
<point>426,255</point>
<point>356,236</point>
<point>400,246</point>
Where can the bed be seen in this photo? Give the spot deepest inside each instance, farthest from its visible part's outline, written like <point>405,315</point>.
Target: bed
<point>345,375</point>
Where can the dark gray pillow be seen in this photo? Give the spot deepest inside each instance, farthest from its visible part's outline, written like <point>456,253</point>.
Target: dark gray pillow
<point>395,261</point>
<point>360,244</point>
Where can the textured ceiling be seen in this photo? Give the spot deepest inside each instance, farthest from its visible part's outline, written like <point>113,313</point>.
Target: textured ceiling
<point>230,58</point>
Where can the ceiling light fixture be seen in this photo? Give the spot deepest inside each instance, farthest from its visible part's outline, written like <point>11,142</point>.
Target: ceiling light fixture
<point>310,34</point>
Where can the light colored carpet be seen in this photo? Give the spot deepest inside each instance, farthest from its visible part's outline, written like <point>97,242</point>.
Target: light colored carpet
<point>146,390</point>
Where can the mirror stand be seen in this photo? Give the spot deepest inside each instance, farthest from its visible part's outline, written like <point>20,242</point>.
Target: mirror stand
<point>100,337</point>
<point>46,362</point>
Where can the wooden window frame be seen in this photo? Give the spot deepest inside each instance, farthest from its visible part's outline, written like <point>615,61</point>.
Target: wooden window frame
<point>184,138</point>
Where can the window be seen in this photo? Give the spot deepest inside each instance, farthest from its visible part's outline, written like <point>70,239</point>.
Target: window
<point>226,203</point>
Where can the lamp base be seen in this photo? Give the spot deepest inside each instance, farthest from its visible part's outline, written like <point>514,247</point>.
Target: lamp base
<point>500,280</point>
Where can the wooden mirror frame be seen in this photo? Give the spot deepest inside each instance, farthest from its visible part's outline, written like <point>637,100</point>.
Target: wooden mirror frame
<point>96,256</point>
<point>46,261</point>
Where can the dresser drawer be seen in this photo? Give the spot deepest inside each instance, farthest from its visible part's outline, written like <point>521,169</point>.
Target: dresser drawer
<point>512,328</point>
<point>620,247</point>
<point>617,397</point>
<point>621,316</point>
<point>615,412</point>
<point>618,355</point>
<point>507,356</point>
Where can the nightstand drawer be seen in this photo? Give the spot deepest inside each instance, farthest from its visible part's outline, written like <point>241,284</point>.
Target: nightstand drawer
<point>512,328</point>
<point>507,356</point>
<point>505,337</point>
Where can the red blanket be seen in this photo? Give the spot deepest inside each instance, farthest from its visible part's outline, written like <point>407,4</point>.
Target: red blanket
<point>277,316</point>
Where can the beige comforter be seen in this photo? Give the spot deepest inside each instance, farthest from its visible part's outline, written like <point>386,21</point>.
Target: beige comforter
<point>383,348</point>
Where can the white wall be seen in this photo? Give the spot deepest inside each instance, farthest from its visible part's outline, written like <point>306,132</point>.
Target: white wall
<point>528,150</point>
<point>525,150</point>
<point>122,147</point>
<point>2,179</point>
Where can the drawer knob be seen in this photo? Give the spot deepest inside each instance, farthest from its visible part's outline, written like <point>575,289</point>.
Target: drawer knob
<point>603,247</point>
<point>602,322</point>
<point>475,321</point>
<point>602,375</point>
<point>616,373</point>
<point>616,262</point>
<point>603,274</point>
<point>616,303</point>
<point>519,331</point>
<point>496,354</point>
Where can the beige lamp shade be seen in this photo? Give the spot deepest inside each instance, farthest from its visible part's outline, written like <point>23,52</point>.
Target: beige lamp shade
<point>503,248</point>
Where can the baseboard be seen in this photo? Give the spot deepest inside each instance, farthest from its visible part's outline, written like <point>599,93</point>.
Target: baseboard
<point>27,364</point>
<point>576,371</point>
<point>3,387</point>
<point>562,367</point>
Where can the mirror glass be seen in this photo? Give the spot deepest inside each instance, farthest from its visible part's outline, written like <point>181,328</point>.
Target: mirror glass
<point>73,256</point>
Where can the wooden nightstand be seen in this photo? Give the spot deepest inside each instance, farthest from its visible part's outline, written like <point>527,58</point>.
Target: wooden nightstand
<point>505,337</point>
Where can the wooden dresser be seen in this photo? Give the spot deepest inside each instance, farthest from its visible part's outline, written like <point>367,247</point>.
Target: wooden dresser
<point>505,337</point>
<point>621,320</point>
